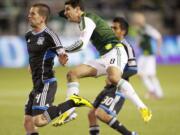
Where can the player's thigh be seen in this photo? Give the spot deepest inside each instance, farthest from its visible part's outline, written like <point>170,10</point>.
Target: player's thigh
<point>84,70</point>
<point>113,74</point>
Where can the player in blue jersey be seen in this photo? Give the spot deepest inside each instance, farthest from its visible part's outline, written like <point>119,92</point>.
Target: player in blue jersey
<point>43,45</point>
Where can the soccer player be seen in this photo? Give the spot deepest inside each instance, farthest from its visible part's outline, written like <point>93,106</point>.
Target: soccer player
<point>147,61</point>
<point>110,101</point>
<point>113,55</point>
<point>43,45</point>
<point>120,27</point>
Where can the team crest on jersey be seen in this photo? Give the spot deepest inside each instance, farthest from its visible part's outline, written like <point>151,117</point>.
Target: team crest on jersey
<point>40,41</point>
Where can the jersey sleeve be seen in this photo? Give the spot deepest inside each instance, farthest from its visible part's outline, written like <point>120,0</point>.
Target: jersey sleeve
<point>56,43</point>
<point>87,27</point>
<point>86,33</point>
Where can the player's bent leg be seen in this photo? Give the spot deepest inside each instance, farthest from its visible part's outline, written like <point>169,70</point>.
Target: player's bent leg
<point>29,125</point>
<point>129,92</point>
<point>92,117</point>
<point>73,88</point>
<point>102,115</point>
<point>81,71</point>
<point>112,121</point>
<point>114,75</point>
<point>67,116</point>
<point>73,76</point>
<point>40,120</point>
<point>93,124</point>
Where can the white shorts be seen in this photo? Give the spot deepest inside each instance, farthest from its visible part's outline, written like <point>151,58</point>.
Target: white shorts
<point>117,57</point>
<point>147,65</point>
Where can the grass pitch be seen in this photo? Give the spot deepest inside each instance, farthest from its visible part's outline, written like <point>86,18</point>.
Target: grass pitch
<point>15,85</point>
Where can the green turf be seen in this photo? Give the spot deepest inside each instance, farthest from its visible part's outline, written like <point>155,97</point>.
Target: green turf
<point>15,85</point>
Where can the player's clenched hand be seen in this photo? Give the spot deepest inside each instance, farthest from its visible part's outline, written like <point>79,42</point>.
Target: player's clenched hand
<point>63,58</point>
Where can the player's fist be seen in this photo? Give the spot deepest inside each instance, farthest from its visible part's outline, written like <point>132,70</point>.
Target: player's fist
<point>63,58</point>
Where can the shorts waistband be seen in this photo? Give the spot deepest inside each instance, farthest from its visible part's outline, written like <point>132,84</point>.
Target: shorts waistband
<point>49,80</point>
<point>110,46</point>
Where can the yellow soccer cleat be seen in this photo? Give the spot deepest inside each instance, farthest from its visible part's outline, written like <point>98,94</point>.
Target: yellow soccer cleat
<point>64,118</point>
<point>146,114</point>
<point>80,101</point>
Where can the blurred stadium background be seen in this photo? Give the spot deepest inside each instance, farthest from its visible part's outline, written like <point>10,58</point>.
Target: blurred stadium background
<point>15,81</point>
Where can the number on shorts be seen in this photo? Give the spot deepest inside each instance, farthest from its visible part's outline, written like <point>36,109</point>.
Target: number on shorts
<point>107,101</point>
<point>38,97</point>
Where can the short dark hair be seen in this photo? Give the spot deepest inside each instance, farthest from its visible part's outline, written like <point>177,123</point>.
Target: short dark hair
<point>75,3</point>
<point>123,23</point>
<point>43,10</point>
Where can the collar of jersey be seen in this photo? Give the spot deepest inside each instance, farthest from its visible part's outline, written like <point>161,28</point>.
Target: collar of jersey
<point>36,33</point>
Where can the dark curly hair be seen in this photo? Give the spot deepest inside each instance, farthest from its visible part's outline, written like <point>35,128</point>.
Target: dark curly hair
<point>75,3</point>
<point>123,23</point>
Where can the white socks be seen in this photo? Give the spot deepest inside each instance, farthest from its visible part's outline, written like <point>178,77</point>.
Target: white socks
<point>127,90</point>
<point>73,88</point>
<point>148,83</point>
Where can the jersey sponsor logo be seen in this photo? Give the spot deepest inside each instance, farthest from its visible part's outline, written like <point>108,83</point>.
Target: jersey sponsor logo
<point>40,41</point>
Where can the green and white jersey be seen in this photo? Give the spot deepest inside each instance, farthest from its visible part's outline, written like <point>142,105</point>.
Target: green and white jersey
<point>95,29</point>
<point>146,34</point>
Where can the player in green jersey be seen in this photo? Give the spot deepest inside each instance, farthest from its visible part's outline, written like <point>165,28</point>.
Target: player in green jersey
<point>147,60</point>
<point>111,63</point>
<point>109,101</point>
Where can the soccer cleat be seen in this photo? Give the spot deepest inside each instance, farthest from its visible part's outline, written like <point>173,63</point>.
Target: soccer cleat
<point>80,101</point>
<point>146,114</point>
<point>64,118</point>
<point>71,115</point>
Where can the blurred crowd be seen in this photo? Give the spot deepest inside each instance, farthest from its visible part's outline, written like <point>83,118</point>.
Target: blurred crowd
<point>162,14</point>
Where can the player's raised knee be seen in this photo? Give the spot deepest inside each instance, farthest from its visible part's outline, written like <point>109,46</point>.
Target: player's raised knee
<point>102,115</point>
<point>71,75</point>
<point>99,113</point>
<point>114,79</point>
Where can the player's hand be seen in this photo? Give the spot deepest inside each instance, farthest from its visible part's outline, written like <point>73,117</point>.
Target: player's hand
<point>63,58</point>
